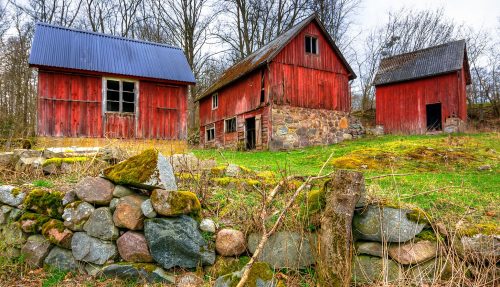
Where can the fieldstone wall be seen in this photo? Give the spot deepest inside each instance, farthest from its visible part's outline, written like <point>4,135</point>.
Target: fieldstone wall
<point>295,127</point>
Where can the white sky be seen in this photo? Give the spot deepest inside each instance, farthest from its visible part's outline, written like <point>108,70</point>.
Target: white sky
<point>480,14</point>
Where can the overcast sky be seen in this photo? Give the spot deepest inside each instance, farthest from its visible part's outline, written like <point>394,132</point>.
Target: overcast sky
<point>480,14</point>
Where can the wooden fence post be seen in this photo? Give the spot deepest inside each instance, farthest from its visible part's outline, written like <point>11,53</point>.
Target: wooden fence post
<point>334,252</point>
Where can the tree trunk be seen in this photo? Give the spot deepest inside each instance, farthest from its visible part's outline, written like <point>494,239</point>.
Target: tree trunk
<point>342,192</point>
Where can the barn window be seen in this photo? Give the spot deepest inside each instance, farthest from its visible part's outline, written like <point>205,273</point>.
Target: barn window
<point>210,132</point>
<point>215,101</point>
<point>120,96</point>
<point>311,45</point>
<point>230,125</point>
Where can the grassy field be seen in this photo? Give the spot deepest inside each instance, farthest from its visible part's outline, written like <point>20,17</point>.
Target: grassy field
<point>452,177</point>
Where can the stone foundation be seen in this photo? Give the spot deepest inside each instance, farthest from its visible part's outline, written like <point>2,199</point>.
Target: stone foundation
<point>294,127</point>
<point>453,125</point>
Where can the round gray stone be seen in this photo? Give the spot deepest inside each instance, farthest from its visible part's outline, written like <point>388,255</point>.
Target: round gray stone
<point>92,250</point>
<point>61,259</point>
<point>100,225</point>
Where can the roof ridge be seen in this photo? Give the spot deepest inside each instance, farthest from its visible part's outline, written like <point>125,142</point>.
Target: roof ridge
<point>106,35</point>
<point>423,50</point>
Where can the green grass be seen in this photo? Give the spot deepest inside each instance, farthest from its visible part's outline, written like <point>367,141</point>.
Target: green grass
<point>54,278</point>
<point>43,183</point>
<point>440,172</point>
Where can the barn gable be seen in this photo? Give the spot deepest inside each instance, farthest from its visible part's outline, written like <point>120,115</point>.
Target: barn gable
<point>437,60</point>
<point>65,48</point>
<point>267,53</point>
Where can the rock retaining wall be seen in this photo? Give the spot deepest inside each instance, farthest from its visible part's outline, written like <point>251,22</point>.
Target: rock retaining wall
<point>295,127</point>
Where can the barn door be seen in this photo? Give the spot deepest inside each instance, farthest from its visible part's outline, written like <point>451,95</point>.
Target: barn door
<point>433,112</point>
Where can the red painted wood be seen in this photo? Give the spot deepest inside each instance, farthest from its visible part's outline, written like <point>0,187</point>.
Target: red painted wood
<point>400,107</point>
<point>70,105</point>
<point>292,78</point>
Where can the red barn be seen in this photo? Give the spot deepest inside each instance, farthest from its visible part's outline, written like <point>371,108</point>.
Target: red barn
<point>291,93</point>
<point>95,85</point>
<point>424,90</point>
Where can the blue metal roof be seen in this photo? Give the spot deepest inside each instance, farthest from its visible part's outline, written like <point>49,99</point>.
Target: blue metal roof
<point>55,46</point>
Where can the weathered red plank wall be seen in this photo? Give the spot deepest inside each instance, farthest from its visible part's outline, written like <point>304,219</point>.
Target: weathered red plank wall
<point>309,80</point>
<point>242,99</point>
<point>400,107</point>
<point>70,105</point>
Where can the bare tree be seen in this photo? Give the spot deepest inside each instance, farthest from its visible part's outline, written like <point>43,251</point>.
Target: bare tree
<point>60,12</point>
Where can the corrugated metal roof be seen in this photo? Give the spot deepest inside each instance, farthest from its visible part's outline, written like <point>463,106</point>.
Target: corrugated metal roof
<point>55,46</point>
<point>427,62</point>
<point>266,53</point>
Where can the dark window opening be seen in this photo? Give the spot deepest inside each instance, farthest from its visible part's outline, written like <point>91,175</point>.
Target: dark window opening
<point>311,45</point>
<point>250,133</point>
<point>215,101</point>
<point>433,112</point>
<point>231,125</point>
<point>210,132</point>
<point>262,85</point>
<point>120,96</point>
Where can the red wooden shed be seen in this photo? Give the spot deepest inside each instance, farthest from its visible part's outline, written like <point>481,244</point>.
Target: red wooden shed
<point>424,90</point>
<point>96,85</point>
<point>293,92</point>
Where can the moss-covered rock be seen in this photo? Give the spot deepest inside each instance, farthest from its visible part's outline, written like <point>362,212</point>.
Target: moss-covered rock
<point>59,161</point>
<point>148,170</point>
<point>174,203</point>
<point>45,201</point>
<point>218,171</point>
<point>225,265</point>
<point>32,222</point>
<point>56,233</point>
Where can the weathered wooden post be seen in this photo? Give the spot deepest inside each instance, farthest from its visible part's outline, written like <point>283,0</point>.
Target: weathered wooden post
<point>342,192</point>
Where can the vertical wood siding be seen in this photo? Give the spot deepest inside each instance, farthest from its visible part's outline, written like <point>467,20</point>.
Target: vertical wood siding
<point>70,105</point>
<point>308,80</point>
<point>401,107</point>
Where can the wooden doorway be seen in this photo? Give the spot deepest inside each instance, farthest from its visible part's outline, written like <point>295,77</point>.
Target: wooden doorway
<point>250,133</point>
<point>433,112</point>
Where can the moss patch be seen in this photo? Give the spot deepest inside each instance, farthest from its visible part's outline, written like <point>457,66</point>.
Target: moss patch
<point>419,216</point>
<point>181,201</point>
<point>135,170</point>
<point>428,235</point>
<point>482,228</point>
<point>218,171</point>
<point>314,203</point>
<point>224,181</point>
<point>259,270</point>
<point>227,265</point>
<point>39,220</point>
<point>69,160</point>
<point>45,201</point>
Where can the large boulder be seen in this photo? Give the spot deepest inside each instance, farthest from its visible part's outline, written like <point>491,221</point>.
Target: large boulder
<point>95,190</point>
<point>230,242</point>
<point>92,250</point>
<point>177,242</point>
<point>62,259</point>
<point>100,225</point>
<point>413,252</point>
<point>285,249</point>
<point>28,164</point>
<point>128,213</point>
<point>174,203</point>
<point>385,224</point>
<point>369,270</point>
<point>147,170</point>
<point>260,276</point>
<point>11,195</point>
<point>143,272</point>
<point>35,250</point>
<point>76,214</point>
<point>133,247</point>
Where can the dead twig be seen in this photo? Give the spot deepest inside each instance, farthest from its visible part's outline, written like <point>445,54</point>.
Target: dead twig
<point>390,175</point>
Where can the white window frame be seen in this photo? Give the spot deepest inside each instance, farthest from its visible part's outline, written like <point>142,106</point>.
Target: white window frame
<point>215,101</point>
<point>311,42</point>
<point>207,128</point>
<point>120,92</point>
<point>235,125</point>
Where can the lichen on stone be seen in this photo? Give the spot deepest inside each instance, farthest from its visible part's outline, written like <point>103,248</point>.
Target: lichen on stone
<point>136,169</point>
